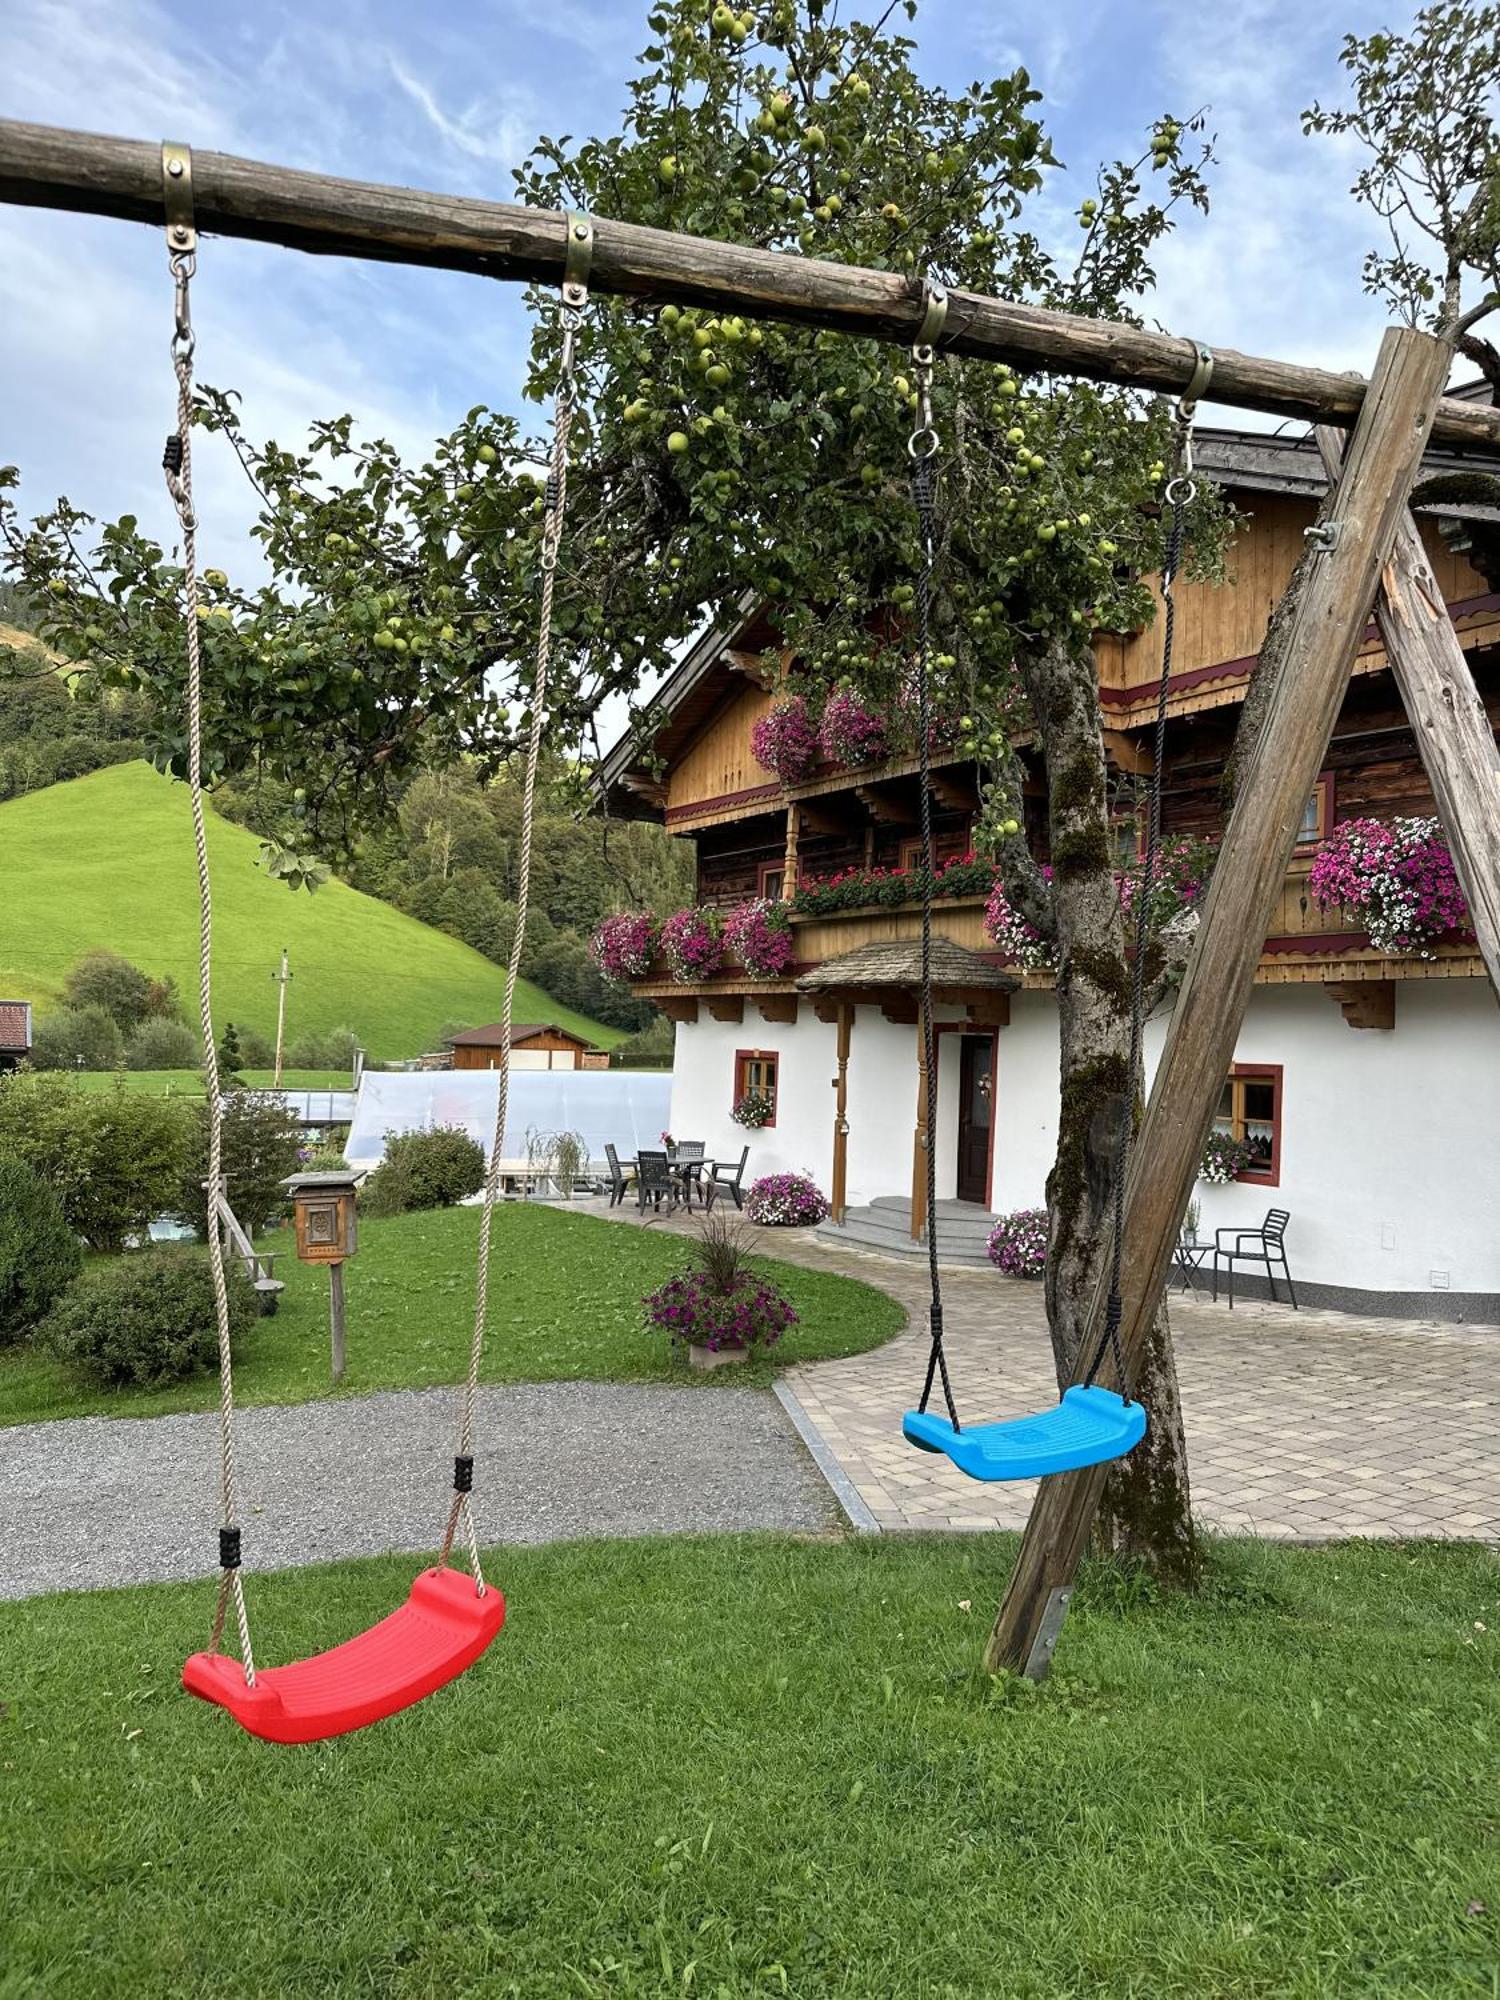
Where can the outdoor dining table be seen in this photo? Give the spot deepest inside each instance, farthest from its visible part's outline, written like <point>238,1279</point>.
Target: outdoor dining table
<point>689,1170</point>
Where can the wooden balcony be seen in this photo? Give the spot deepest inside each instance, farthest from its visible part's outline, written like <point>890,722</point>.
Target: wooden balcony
<point>1306,946</point>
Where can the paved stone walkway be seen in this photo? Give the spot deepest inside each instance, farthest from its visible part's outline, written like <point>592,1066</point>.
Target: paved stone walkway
<point>1301,1426</point>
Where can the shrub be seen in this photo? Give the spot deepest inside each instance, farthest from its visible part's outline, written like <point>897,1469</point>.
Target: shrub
<point>784,740</point>
<point>693,945</point>
<point>1224,1159</point>
<point>162,1044</point>
<point>333,1050</point>
<point>759,935</point>
<point>257,1051</point>
<point>623,946</point>
<point>262,1145</point>
<point>104,979</point>
<point>77,1038</point>
<point>39,1255</point>
<point>114,1159</point>
<point>652,1048</point>
<point>432,1169</point>
<point>789,1201</point>
<point>1018,1243</point>
<point>147,1320</point>
<point>721,1302</point>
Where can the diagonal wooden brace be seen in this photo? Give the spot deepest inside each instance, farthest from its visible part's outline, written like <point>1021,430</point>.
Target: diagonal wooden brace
<point>1329,619</point>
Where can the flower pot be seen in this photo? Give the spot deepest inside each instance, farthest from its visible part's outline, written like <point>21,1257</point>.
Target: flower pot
<point>705,1358</point>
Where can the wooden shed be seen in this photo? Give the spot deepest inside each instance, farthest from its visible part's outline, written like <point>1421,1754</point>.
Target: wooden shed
<point>533,1045</point>
<point>15,1032</point>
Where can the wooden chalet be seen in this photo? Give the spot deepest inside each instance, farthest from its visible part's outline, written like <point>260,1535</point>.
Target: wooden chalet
<point>1322,979</point>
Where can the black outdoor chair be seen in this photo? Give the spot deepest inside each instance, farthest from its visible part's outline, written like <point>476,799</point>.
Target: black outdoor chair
<point>727,1179</point>
<point>689,1156</point>
<point>620,1178</point>
<point>654,1179</point>
<point>1256,1246</point>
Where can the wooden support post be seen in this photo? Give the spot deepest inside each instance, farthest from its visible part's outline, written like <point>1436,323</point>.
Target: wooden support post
<point>789,855</point>
<point>840,1194</point>
<point>43,166</point>
<point>1328,622</point>
<point>336,1318</point>
<point>919,1145</point>
<point>283,980</point>
<point>1447,717</point>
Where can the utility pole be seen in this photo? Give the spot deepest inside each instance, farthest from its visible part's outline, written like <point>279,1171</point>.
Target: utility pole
<point>282,980</point>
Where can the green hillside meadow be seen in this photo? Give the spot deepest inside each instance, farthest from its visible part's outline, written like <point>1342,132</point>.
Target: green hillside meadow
<point>108,860</point>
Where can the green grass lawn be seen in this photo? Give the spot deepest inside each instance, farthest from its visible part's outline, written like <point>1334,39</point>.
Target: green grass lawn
<point>565,1294</point>
<point>189,1082</point>
<point>757,1766</point>
<point>108,860</point>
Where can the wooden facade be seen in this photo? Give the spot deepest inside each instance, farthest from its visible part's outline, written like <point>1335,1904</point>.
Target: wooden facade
<point>755,836</point>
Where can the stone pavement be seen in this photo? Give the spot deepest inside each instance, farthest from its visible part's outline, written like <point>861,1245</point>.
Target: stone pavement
<point>1301,1426</point>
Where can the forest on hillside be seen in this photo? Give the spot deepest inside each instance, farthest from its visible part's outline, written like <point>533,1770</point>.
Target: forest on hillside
<point>448,857</point>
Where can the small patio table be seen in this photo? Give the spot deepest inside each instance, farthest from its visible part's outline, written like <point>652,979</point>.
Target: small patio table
<point>1188,1258</point>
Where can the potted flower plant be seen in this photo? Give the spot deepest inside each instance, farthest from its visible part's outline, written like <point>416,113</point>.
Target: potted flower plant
<point>720,1310</point>
<point>692,943</point>
<point>759,935</point>
<point>784,740</point>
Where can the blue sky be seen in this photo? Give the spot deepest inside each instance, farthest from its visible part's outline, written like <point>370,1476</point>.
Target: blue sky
<point>452,98</point>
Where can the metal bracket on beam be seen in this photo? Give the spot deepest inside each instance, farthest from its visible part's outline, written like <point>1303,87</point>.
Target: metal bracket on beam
<point>177,196</point>
<point>578,258</point>
<point>1324,535</point>
<point>1039,1659</point>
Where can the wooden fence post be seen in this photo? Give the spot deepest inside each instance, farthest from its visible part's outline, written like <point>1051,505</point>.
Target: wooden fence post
<point>1447,717</point>
<point>1356,534</point>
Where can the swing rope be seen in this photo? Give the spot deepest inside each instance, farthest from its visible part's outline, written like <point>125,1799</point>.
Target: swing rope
<point>574,298</point>
<point>1181,492</point>
<point>922,447</point>
<point>177,463</point>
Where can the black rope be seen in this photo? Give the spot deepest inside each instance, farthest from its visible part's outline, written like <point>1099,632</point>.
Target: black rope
<point>923,480</point>
<point>1178,494</point>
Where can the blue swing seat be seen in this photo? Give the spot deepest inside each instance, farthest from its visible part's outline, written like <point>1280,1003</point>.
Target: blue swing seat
<point>1087,1427</point>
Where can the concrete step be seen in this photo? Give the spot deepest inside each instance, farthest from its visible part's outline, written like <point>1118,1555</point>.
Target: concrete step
<point>885,1227</point>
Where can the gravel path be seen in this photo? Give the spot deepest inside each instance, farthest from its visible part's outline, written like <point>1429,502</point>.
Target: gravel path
<point>97,1501</point>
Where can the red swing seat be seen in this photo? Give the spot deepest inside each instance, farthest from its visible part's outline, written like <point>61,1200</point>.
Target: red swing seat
<point>442,1628</point>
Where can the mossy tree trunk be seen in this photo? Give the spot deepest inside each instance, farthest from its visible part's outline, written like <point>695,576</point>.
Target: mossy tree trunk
<point>1146,1508</point>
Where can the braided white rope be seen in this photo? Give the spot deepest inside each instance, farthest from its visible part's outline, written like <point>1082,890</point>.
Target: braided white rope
<point>552,529</point>
<point>180,486</point>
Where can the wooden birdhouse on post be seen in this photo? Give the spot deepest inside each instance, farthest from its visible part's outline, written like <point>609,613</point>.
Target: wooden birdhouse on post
<point>323,1207</point>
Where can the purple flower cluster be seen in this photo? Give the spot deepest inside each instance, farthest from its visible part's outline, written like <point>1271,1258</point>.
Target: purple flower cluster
<point>759,935</point>
<point>849,733</point>
<point>1020,941</point>
<point>788,1201</point>
<point>1225,1158</point>
<point>693,945</point>
<point>1396,878</point>
<point>752,1313</point>
<point>1178,881</point>
<point>1018,1243</point>
<point>784,740</point>
<point>754,1110</point>
<point>623,946</point>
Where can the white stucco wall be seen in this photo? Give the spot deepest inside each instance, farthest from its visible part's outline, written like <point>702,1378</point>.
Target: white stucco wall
<point>882,1099</point>
<point>1390,1142</point>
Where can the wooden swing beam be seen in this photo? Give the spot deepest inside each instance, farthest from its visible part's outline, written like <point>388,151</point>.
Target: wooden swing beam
<point>1392,418</point>
<point>42,166</point>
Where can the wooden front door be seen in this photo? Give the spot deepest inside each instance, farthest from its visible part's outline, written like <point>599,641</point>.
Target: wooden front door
<point>975,1102</point>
